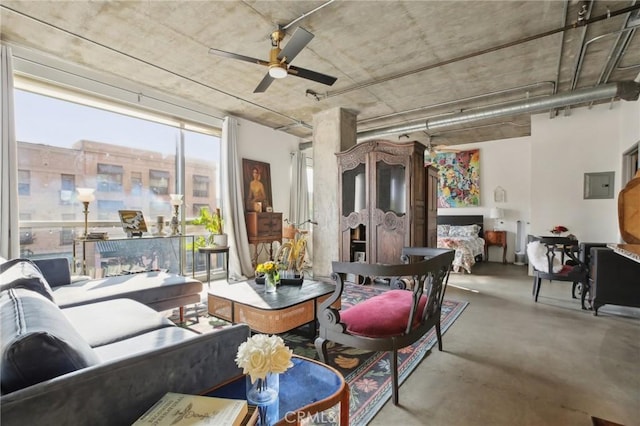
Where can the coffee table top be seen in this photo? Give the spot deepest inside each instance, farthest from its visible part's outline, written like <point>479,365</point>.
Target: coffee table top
<point>252,294</point>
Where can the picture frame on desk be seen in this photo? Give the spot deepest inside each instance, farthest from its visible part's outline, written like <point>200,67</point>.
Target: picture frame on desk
<point>257,184</point>
<point>133,222</point>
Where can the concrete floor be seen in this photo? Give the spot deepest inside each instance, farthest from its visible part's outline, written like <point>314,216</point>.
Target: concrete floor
<point>510,361</point>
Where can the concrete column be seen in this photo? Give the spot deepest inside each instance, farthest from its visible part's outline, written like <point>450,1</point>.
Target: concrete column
<point>334,131</point>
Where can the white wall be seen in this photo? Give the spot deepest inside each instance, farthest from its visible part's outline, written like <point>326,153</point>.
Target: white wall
<point>260,143</point>
<point>543,174</point>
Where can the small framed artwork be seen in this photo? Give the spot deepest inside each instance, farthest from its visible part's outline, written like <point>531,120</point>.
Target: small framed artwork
<point>132,222</point>
<point>257,185</point>
<point>358,256</point>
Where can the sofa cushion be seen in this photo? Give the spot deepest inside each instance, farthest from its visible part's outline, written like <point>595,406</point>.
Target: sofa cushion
<point>384,315</point>
<point>102,323</point>
<point>23,273</point>
<point>38,342</point>
<point>145,287</point>
<point>56,270</point>
<point>147,342</point>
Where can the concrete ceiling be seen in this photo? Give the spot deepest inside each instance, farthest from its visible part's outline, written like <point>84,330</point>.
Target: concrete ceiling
<point>396,62</point>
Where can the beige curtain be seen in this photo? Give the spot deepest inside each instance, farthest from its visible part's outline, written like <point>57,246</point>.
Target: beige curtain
<point>240,266</point>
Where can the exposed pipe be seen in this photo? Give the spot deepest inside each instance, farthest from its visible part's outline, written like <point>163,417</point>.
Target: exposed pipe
<point>482,52</point>
<point>627,90</point>
<point>304,15</point>
<point>458,101</point>
<point>554,112</point>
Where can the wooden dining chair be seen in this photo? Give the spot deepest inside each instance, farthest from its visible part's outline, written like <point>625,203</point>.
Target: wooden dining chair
<point>393,319</point>
<point>557,259</point>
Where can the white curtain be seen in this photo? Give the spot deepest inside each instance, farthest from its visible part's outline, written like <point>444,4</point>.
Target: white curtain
<point>9,230</point>
<point>299,198</point>
<point>240,266</point>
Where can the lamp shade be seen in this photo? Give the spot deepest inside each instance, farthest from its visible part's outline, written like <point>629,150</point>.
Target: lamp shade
<point>175,199</point>
<point>496,213</point>
<point>85,195</point>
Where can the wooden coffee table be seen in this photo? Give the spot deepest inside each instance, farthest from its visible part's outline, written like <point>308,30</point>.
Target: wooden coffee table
<point>291,306</point>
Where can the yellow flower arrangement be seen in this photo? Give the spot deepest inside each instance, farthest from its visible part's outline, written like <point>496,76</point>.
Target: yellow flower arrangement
<point>270,268</point>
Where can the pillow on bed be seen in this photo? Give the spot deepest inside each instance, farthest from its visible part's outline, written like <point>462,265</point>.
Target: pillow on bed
<point>443,230</point>
<point>464,231</point>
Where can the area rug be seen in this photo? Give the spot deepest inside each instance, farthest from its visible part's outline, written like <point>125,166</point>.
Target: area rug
<point>367,373</point>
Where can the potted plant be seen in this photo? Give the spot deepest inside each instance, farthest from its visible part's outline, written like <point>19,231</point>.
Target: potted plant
<point>213,223</point>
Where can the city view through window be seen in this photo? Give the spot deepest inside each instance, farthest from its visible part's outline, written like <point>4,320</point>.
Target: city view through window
<point>130,163</point>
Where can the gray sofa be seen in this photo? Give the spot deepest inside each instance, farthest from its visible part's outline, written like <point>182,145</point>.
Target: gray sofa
<point>158,290</point>
<point>99,363</point>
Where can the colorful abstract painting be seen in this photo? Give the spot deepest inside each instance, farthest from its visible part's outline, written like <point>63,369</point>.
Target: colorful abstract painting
<point>459,178</point>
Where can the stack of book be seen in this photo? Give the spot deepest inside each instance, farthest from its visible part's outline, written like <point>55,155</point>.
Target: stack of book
<point>195,410</point>
<point>97,236</point>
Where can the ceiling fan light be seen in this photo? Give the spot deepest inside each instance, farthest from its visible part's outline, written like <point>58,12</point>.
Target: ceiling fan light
<point>277,71</point>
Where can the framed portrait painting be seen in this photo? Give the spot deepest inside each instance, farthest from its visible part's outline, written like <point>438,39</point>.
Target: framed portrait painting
<point>257,185</point>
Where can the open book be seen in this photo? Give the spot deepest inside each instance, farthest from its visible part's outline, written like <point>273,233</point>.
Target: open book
<point>194,410</point>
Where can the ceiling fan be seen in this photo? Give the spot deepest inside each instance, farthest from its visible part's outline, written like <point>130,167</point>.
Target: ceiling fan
<point>280,59</point>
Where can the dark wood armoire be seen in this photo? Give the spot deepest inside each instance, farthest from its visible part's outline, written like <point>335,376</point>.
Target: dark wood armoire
<point>383,200</point>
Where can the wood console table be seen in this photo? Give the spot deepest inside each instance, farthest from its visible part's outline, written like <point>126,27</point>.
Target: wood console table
<point>263,228</point>
<point>495,238</point>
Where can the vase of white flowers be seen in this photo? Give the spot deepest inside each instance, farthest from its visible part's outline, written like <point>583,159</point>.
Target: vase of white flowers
<point>262,358</point>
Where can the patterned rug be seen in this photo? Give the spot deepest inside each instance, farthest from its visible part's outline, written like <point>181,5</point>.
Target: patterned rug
<point>366,372</point>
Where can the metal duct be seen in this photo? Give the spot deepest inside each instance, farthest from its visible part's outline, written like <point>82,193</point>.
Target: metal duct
<point>627,90</point>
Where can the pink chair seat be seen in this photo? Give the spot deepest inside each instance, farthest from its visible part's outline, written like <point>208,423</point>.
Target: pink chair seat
<point>383,315</point>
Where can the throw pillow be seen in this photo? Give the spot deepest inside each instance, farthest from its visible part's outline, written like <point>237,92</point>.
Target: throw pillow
<point>38,341</point>
<point>464,231</point>
<point>537,254</point>
<point>443,230</point>
<point>23,273</point>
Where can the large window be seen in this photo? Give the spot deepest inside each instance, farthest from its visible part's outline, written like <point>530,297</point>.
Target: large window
<point>24,182</point>
<point>109,178</point>
<point>131,163</point>
<point>200,186</point>
<point>67,188</point>
<point>159,182</point>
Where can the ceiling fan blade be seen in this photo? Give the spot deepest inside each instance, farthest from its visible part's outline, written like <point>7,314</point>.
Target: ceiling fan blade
<point>224,54</point>
<point>299,40</point>
<point>312,75</point>
<point>264,84</point>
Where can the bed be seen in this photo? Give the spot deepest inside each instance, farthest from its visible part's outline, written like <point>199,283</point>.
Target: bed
<point>464,234</point>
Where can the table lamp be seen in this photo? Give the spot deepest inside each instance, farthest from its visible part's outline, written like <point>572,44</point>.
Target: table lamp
<point>496,214</point>
<point>85,195</point>
<point>176,202</point>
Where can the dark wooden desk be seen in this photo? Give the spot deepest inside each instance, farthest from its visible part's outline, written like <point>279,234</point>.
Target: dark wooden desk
<point>307,388</point>
<point>208,251</point>
<point>495,238</point>
<point>291,306</point>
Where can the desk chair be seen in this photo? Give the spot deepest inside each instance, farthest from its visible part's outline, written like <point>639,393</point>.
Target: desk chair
<point>547,256</point>
<point>391,320</point>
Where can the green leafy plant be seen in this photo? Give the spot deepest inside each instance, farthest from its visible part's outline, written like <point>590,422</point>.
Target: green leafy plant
<point>212,222</point>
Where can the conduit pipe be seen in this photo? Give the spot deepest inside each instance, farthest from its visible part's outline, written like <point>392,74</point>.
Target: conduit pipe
<point>626,90</point>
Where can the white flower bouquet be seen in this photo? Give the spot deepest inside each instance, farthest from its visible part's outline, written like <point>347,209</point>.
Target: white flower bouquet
<point>262,354</point>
